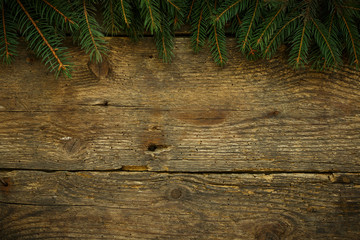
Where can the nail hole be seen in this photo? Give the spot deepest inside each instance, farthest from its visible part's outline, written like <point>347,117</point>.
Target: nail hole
<point>151,56</point>
<point>273,113</point>
<point>152,147</point>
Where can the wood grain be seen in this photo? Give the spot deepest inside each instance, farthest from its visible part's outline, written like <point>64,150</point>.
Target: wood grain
<point>188,116</point>
<point>125,205</point>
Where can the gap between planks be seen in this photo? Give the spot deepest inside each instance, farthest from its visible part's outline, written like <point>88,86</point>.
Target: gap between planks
<point>178,172</point>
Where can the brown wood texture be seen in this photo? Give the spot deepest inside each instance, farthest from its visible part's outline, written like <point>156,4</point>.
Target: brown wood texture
<point>113,205</point>
<point>138,149</point>
<point>188,116</point>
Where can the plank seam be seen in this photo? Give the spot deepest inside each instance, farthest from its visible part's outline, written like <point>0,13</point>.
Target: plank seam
<point>180,172</point>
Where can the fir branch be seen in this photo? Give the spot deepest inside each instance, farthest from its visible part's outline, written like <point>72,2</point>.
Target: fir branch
<point>164,50</point>
<point>152,15</point>
<point>238,19</point>
<point>311,28</point>
<point>331,22</point>
<point>89,27</point>
<point>174,11</point>
<point>269,48</point>
<point>59,65</point>
<point>178,21</point>
<point>301,44</point>
<point>230,9</point>
<point>220,53</point>
<point>67,19</point>
<point>124,14</point>
<point>250,27</point>
<point>198,29</point>
<point>329,34</point>
<point>268,25</point>
<point>349,32</point>
<point>119,16</point>
<point>217,39</point>
<point>164,40</point>
<point>134,18</point>
<point>330,47</point>
<point>171,3</point>
<point>112,24</point>
<point>112,17</point>
<point>352,8</point>
<point>56,13</point>
<point>6,43</point>
<point>199,25</point>
<point>8,36</point>
<point>89,36</point>
<point>191,7</point>
<point>163,45</point>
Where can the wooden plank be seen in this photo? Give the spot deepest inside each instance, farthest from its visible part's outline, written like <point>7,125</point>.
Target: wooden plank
<point>120,205</point>
<point>188,116</point>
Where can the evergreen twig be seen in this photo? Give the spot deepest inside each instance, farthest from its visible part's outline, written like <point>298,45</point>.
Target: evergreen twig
<point>321,33</point>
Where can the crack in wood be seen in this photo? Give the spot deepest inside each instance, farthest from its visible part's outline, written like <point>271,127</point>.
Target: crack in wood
<point>330,173</point>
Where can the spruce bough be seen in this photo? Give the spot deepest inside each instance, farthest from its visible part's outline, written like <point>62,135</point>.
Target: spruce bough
<point>321,33</point>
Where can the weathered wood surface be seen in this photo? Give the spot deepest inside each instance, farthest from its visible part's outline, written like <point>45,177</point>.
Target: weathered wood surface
<point>188,116</point>
<point>139,149</point>
<point>113,205</point>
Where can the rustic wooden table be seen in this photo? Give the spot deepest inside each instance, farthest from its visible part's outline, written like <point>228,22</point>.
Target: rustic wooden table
<point>139,149</point>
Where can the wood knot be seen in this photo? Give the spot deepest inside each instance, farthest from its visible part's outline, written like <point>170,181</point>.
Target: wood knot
<point>267,235</point>
<point>176,193</point>
<point>72,145</point>
<point>342,179</point>
<point>100,70</point>
<point>274,230</point>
